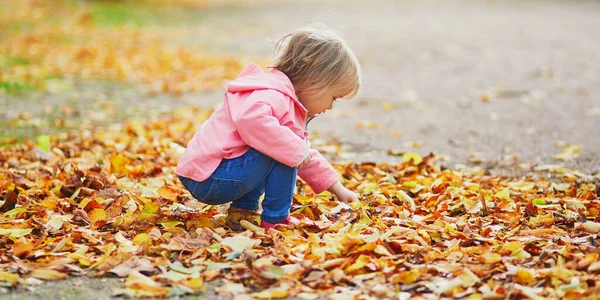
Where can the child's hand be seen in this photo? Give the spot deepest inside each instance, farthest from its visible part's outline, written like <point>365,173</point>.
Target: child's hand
<point>347,196</point>
<point>343,194</point>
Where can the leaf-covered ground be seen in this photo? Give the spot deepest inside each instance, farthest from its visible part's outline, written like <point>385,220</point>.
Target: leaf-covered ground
<point>106,202</point>
<point>45,43</point>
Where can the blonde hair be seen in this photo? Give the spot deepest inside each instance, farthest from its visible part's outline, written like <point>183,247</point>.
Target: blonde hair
<point>316,58</point>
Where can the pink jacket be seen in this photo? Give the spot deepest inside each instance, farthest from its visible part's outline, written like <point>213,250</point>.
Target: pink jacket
<point>260,110</point>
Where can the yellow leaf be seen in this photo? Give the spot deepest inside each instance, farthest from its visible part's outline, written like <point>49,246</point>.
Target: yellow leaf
<point>47,274</point>
<point>512,246</point>
<point>406,277</point>
<point>503,194</point>
<point>196,284</point>
<point>118,163</point>
<point>49,203</point>
<point>83,259</point>
<point>524,277</point>
<point>9,277</point>
<point>360,263</point>
<point>97,214</point>
<point>149,211</point>
<point>170,223</point>
<point>415,157</point>
<point>410,184</point>
<point>278,294</point>
<point>140,238</point>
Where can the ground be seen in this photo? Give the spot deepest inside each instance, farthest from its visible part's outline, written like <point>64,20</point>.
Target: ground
<point>488,81</point>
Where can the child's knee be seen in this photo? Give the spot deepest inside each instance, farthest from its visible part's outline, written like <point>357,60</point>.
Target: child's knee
<point>217,191</point>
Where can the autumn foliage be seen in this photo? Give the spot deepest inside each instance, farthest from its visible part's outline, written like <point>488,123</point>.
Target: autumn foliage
<point>106,202</point>
<point>44,40</point>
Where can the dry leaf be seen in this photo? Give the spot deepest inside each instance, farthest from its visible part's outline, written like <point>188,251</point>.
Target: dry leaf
<point>47,274</point>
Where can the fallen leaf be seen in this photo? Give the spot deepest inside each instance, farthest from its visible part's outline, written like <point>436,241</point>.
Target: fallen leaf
<point>239,243</point>
<point>15,232</point>
<point>591,227</point>
<point>133,264</point>
<point>97,214</point>
<point>47,274</point>
<point>9,277</point>
<point>144,286</point>
<point>22,249</point>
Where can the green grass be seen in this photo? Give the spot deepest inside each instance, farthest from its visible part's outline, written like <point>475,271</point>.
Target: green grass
<point>12,61</point>
<point>20,26</point>
<point>119,14</point>
<point>116,14</point>
<point>13,87</point>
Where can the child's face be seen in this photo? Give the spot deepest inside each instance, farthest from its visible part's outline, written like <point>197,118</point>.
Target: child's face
<point>318,103</point>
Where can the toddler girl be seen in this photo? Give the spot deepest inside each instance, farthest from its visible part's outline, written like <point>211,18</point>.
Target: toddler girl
<point>256,141</point>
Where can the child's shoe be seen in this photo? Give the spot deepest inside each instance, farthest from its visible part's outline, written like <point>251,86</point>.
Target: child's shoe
<point>236,215</point>
<point>287,223</point>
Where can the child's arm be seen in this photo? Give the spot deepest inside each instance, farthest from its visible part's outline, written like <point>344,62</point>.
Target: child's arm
<point>320,176</point>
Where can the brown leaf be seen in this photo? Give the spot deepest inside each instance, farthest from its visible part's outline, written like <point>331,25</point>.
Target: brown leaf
<point>133,264</point>
<point>184,244</point>
<point>9,202</point>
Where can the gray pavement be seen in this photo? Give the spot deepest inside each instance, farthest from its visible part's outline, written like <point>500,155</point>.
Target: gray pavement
<point>483,79</point>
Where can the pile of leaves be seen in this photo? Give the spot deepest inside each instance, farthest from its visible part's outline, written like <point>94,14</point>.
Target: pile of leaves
<point>107,202</point>
<point>43,41</point>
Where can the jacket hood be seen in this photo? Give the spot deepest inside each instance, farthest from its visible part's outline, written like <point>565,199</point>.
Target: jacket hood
<point>253,78</point>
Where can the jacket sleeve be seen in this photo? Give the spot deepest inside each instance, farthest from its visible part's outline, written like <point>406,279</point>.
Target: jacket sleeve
<point>318,173</point>
<point>257,123</point>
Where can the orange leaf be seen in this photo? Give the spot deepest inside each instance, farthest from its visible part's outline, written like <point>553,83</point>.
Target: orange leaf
<point>167,193</point>
<point>21,249</point>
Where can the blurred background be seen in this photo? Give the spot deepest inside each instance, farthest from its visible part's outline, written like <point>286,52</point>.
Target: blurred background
<point>501,84</point>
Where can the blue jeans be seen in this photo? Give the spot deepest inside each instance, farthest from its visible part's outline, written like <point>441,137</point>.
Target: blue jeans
<point>242,180</point>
